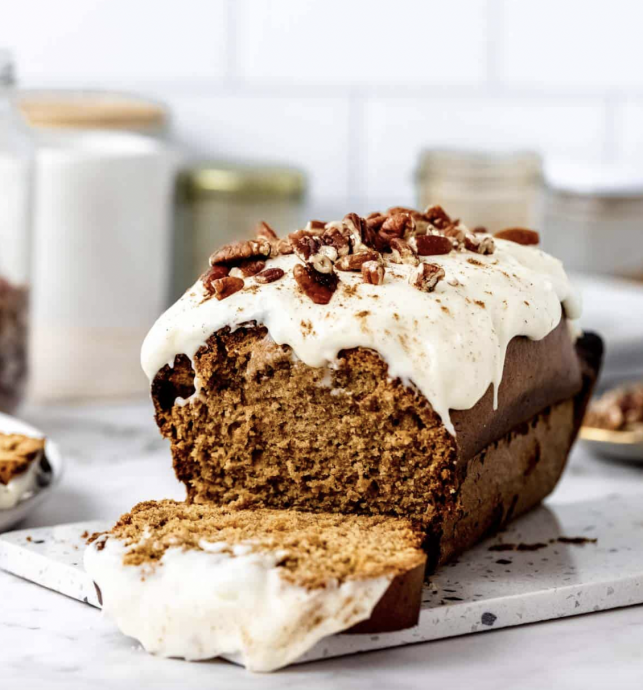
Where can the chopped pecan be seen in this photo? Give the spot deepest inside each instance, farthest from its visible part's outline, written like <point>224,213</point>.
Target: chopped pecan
<point>399,225</point>
<point>375,221</point>
<point>353,262</point>
<point>338,238</point>
<point>479,229</point>
<point>236,252</point>
<point>457,233</point>
<point>479,244</point>
<point>224,287</point>
<point>319,287</point>
<point>214,273</point>
<point>298,234</point>
<point>426,277</point>
<point>248,268</point>
<point>315,226</point>
<point>284,246</point>
<point>403,253</point>
<point>394,210</point>
<point>432,245</point>
<point>262,229</point>
<point>438,217</point>
<point>519,235</point>
<point>269,275</point>
<point>306,246</point>
<point>373,272</point>
<point>313,251</point>
<point>356,227</point>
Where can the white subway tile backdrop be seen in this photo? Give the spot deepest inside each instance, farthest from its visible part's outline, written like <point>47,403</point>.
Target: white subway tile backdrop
<point>352,90</point>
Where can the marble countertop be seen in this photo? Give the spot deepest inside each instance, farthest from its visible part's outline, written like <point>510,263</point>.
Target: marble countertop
<point>115,458</point>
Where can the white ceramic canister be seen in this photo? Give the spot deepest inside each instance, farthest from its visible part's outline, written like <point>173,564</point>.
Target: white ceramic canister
<point>101,260</point>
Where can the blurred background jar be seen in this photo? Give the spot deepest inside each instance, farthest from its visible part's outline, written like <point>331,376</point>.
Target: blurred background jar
<point>494,189</point>
<point>104,180</point>
<point>16,154</point>
<point>594,218</point>
<point>217,202</point>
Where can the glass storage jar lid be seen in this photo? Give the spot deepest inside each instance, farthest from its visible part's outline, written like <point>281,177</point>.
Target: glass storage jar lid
<point>245,180</point>
<point>68,109</point>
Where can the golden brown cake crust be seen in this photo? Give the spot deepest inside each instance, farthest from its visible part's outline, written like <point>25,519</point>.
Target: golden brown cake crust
<point>17,452</point>
<point>319,547</point>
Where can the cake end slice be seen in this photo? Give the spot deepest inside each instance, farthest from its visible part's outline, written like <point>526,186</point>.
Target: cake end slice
<point>198,581</point>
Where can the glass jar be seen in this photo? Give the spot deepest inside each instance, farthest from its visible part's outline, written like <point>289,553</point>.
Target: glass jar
<point>16,155</point>
<point>495,189</point>
<point>220,202</point>
<point>594,218</point>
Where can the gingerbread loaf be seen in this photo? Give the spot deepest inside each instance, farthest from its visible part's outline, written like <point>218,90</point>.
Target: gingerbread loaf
<point>396,365</point>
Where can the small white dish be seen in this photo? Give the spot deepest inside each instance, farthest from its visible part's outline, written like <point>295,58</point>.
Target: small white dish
<point>11,516</point>
<point>624,445</point>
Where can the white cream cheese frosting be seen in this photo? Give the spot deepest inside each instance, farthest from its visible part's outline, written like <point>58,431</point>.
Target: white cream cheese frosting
<point>220,600</point>
<point>19,487</point>
<point>449,343</point>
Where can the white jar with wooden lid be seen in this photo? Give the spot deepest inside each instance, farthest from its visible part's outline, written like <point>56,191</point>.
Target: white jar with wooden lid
<point>102,231</point>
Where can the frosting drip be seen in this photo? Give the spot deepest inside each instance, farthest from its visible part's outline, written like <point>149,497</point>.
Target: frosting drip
<point>224,600</point>
<point>450,343</point>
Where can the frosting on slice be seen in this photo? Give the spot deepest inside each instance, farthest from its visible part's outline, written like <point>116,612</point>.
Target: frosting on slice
<point>449,343</point>
<point>224,600</point>
<point>19,487</point>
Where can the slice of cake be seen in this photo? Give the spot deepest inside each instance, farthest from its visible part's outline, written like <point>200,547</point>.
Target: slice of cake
<point>396,365</point>
<point>199,581</point>
<point>20,462</point>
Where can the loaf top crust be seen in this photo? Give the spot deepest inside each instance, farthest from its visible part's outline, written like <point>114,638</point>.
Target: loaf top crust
<point>442,322</point>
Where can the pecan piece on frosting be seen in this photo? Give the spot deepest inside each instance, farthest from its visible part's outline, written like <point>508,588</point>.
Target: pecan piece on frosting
<point>319,287</point>
<point>214,273</point>
<point>438,217</point>
<point>338,238</point>
<point>402,252</point>
<point>433,245</point>
<point>400,225</point>
<point>361,235</point>
<point>457,233</point>
<point>479,244</point>
<point>356,227</point>
<point>234,253</point>
<point>248,268</point>
<point>270,275</point>
<point>353,262</point>
<point>426,277</point>
<point>224,287</point>
<point>374,221</point>
<point>262,229</point>
<point>315,227</point>
<point>519,236</point>
<point>313,251</point>
<point>373,272</point>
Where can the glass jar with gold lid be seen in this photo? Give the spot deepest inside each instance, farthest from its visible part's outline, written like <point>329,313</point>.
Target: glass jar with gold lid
<point>218,202</point>
<point>495,189</point>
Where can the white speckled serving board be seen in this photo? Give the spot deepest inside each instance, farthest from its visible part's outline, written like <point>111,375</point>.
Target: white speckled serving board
<point>545,565</point>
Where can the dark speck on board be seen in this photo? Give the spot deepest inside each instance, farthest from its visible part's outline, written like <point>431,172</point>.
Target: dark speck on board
<point>488,619</point>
